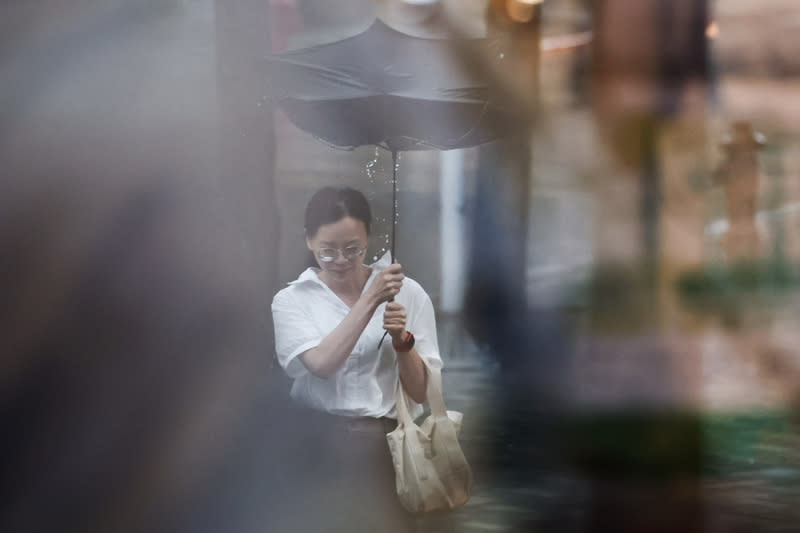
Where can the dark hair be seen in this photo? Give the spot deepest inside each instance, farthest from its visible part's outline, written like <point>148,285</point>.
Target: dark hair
<point>331,205</point>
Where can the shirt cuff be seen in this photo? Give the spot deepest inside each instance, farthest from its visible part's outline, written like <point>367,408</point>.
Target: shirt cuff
<point>293,366</point>
<point>431,360</point>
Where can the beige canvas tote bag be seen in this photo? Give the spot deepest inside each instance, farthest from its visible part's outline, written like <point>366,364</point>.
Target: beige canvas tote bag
<point>432,473</point>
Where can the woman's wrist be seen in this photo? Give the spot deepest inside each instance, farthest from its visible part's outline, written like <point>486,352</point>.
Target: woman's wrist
<point>370,302</point>
<point>403,343</point>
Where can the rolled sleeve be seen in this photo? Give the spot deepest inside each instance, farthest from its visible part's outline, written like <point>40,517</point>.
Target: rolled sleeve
<point>423,327</point>
<point>295,333</point>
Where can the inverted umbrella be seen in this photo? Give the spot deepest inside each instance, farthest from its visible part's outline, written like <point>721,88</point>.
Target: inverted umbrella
<point>386,88</point>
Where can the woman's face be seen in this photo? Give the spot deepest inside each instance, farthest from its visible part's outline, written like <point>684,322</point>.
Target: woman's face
<point>340,239</point>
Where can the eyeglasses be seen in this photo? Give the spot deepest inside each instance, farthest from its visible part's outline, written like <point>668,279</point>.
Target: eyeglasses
<point>327,255</point>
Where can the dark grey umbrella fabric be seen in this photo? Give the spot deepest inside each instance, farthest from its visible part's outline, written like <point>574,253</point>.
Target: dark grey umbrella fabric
<point>386,88</point>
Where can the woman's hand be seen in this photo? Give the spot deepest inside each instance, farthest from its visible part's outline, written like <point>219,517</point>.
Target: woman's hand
<point>385,286</point>
<point>412,370</point>
<point>394,321</point>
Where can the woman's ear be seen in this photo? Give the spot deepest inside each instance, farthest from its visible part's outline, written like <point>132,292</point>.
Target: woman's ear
<point>308,241</point>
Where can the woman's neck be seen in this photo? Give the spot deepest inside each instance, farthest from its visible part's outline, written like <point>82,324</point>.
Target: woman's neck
<point>349,290</point>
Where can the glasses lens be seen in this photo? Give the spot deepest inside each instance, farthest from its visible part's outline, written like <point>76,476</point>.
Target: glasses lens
<point>327,254</point>
<point>352,252</point>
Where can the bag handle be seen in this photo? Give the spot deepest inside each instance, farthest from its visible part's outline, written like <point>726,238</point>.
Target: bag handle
<point>403,416</point>
<point>434,395</point>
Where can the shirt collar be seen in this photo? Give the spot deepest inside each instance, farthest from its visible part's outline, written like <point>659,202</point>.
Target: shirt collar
<point>311,274</point>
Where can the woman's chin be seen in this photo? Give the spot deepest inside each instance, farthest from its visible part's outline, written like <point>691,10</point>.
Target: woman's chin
<point>340,274</point>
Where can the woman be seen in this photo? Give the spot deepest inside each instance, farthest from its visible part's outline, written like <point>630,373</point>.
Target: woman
<point>328,329</point>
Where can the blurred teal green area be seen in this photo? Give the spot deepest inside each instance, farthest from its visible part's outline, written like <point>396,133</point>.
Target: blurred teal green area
<point>669,445</point>
<point>752,442</point>
<point>723,285</point>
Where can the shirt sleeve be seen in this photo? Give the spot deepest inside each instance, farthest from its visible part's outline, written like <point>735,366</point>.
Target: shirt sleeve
<point>295,333</point>
<point>423,326</point>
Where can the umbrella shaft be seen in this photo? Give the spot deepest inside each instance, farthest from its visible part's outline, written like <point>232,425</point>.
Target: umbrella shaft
<point>394,202</point>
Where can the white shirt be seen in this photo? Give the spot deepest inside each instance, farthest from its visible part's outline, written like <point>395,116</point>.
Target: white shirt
<point>307,310</point>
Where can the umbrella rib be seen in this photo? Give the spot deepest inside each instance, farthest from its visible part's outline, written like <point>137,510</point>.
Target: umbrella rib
<point>322,71</point>
<point>480,118</point>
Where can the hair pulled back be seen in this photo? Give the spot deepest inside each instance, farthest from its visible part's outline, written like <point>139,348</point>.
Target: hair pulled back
<point>331,204</point>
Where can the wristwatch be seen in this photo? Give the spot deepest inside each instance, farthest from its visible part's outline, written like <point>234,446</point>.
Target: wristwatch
<point>406,345</point>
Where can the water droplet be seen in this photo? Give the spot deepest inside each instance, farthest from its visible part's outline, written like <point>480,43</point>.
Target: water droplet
<point>502,55</point>
<point>371,167</point>
<point>374,257</point>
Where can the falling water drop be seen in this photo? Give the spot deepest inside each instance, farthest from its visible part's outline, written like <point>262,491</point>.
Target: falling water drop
<point>370,169</point>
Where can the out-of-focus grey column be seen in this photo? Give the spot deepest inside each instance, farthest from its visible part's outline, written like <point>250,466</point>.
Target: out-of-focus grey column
<point>247,148</point>
<point>453,247</point>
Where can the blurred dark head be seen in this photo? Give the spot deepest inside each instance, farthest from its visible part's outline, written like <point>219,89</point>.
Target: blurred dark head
<point>128,297</point>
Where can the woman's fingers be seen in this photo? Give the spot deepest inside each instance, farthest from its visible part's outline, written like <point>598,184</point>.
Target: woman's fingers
<point>394,318</point>
<point>389,283</point>
<point>393,279</point>
<point>393,272</point>
<point>392,289</point>
<point>394,311</point>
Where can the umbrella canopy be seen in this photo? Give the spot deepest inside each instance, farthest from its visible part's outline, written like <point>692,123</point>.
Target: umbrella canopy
<point>386,88</point>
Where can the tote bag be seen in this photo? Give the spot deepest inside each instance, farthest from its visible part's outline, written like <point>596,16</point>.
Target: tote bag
<point>431,471</point>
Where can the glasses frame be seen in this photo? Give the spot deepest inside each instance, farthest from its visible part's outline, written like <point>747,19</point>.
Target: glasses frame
<point>348,257</point>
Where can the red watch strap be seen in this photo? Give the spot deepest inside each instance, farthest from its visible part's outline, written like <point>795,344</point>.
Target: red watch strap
<point>406,344</point>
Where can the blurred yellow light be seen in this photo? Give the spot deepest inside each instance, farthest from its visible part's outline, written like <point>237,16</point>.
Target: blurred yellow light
<point>521,10</point>
<point>712,30</point>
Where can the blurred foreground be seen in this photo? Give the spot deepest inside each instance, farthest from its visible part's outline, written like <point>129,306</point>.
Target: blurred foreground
<point>616,285</point>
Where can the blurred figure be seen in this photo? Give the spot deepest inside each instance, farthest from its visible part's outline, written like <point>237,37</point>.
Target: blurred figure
<point>739,175</point>
<point>135,392</point>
